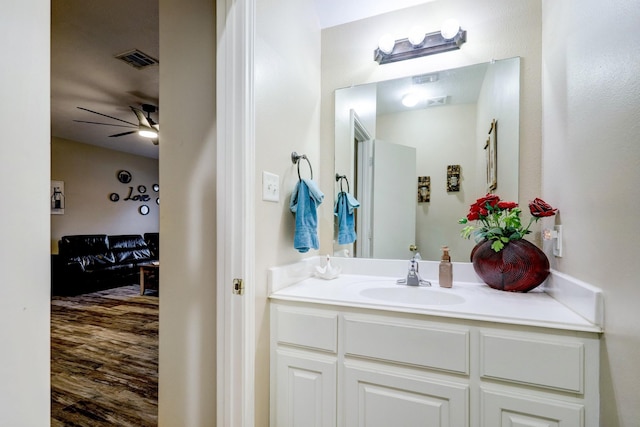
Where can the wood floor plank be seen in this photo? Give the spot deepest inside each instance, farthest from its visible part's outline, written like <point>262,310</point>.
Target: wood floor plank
<point>104,359</point>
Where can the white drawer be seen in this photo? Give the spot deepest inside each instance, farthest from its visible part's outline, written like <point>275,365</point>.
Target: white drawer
<point>423,345</point>
<point>305,327</point>
<point>533,359</point>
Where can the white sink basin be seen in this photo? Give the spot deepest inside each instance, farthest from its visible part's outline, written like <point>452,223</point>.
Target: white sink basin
<point>412,295</point>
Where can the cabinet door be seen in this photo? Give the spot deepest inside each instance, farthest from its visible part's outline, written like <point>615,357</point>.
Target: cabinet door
<point>305,389</point>
<point>511,409</point>
<point>374,398</point>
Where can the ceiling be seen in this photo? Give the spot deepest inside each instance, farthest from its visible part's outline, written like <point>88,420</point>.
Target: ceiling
<point>87,35</point>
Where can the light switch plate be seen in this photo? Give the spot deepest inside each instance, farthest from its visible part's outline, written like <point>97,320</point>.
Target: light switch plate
<point>557,243</point>
<point>270,187</point>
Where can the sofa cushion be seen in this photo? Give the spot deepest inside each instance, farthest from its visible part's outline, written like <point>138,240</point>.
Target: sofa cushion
<point>83,244</point>
<point>86,252</point>
<point>129,248</point>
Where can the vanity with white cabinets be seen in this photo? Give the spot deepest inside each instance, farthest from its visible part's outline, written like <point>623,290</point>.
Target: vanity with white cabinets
<point>343,355</point>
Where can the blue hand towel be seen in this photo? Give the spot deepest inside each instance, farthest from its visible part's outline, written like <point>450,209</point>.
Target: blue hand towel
<point>345,204</point>
<point>305,199</point>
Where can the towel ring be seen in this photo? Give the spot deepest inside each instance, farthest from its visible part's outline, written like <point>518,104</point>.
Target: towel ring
<point>343,178</point>
<point>295,159</point>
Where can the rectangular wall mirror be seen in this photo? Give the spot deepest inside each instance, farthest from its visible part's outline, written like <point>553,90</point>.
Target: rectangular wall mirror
<point>382,146</point>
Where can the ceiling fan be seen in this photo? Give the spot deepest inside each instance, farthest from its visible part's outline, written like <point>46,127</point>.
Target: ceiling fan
<point>146,126</point>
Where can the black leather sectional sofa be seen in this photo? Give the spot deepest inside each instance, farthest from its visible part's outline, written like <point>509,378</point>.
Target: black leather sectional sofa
<point>89,262</point>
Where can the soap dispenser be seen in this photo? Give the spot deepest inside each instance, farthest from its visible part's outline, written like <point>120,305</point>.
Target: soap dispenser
<point>445,271</point>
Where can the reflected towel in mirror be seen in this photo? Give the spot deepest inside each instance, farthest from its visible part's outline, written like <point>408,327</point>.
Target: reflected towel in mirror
<point>345,205</point>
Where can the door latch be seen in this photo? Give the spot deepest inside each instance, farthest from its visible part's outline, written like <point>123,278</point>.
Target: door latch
<point>238,286</point>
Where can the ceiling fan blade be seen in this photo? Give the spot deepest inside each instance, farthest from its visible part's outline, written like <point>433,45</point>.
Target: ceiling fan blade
<point>156,127</point>
<point>105,124</point>
<point>123,133</point>
<point>141,118</point>
<point>104,115</point>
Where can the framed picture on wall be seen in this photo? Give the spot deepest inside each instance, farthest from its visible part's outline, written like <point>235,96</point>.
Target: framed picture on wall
<point>424,189</point>
<point>57,197</point>
<point>453,178</point>
<point>491,154</point>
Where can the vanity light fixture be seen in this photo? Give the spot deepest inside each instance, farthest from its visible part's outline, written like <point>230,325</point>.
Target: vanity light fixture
<point>450,38</point>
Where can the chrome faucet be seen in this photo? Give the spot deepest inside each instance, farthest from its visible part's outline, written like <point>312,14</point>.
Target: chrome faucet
<point>413,275</point>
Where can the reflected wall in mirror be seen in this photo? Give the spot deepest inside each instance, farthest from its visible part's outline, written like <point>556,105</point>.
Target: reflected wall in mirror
<point>449,124</point>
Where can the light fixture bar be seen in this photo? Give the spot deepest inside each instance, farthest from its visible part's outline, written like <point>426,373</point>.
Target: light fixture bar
<point>433,43</point>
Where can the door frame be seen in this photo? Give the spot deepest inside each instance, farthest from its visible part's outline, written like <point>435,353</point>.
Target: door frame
<point>235,212</point>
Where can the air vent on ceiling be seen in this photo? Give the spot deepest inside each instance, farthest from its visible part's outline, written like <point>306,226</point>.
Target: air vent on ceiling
<point>439,100</point>
<point>137,59</point>
<point>425,78</point>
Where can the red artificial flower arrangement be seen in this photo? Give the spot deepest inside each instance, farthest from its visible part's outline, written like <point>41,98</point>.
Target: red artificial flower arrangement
<point>499,220</point>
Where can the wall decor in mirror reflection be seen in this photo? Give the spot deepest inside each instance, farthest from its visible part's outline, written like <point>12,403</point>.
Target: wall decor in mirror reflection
<point>447,125</point>
<point>491,155</point>
<point>453,178</point>
<point>424,189</point>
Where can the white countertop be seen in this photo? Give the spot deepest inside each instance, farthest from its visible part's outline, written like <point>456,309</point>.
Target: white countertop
<point>465,300</point>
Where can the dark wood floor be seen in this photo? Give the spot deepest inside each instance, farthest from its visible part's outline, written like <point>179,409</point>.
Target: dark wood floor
<point>104,359</point>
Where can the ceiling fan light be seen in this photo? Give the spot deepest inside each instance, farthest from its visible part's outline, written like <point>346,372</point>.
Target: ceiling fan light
<point>147,132</point>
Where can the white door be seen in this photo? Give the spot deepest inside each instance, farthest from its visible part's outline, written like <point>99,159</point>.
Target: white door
<point>236,214</point>
<point>387,191</point>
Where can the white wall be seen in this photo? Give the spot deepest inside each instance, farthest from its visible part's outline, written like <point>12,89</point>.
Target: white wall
<point>187,395</point>
<point>24,224</point>
<point>89,175</point>
<point>496,29</point>
<point>499,99</point>
<point>442,136</point>
<point>591,123</point>
<point>287,108</point>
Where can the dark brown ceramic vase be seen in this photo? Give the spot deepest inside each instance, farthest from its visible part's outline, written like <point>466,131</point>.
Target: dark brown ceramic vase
<point>519,267</point>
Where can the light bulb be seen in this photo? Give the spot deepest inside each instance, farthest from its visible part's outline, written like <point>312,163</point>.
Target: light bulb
<point>416,35</point>
<point>147,132</point>
<point>450,28</point>
<point>386,43</point>
<point>411,99</point>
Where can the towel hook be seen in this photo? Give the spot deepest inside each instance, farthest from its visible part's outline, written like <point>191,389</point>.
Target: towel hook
<point>295,159</point>
<point>343,178</point>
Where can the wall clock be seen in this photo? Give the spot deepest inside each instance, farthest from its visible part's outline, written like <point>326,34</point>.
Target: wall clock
<point>124,176</point>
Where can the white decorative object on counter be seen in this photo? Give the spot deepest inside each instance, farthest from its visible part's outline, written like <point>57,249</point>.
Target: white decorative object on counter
<point>328,272</point>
